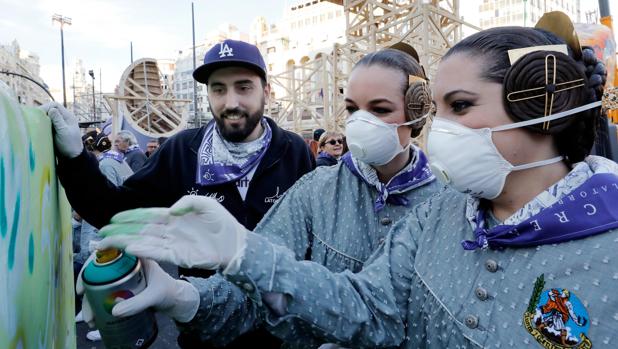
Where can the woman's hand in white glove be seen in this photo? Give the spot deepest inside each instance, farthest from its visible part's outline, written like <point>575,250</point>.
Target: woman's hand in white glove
<point>196,232</point>
<point>176,298</point>
<point>67,137</point>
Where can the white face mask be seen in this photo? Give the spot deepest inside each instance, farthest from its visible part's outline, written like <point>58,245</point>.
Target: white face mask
<point>468,160</point>
<point>371,140</point>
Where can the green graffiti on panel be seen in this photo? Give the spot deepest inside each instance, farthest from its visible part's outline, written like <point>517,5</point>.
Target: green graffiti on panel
<point>36,267</point>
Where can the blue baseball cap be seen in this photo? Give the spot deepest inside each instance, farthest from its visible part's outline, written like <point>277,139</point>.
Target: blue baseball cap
<point>230,53</point>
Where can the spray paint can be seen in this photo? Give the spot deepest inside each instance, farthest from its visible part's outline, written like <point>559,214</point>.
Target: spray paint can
<point>111,277</point>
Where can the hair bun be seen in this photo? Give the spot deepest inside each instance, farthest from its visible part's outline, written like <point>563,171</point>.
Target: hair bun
<point>528,89</point>
<point>417,102</point>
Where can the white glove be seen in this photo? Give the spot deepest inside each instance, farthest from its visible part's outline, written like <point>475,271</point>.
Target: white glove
<point>87,313</point>
<point>196,232</point>
<point>67,138</point>
<point>176,298</point>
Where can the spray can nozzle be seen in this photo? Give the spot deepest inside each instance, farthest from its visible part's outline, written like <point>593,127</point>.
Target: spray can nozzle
<point>107,256</point>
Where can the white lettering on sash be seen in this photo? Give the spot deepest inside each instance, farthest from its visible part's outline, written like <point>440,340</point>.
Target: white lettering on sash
<point>594,191</point>
<point>562,217</point>
<point>594,209</point>
<point>535,224</point>
<point>604,187</point>
<point>615,185</point>
<point>216,196</point>
<point>583,194</point>
<point>571,197</point>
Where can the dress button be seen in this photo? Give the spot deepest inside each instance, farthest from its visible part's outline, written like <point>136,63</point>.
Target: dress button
<point>386,221</point>
<point>247,286</point>
<point>481,293</point>
<point>491,265</point>
<point>471,321</point>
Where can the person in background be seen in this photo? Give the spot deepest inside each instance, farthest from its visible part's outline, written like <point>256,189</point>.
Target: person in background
<point>115,168</point>
<point>314,142</point>
<point>331,148</point>
<point>151,147</point>
<point>126,143</point>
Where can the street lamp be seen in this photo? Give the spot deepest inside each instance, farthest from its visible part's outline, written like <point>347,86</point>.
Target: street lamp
<point>94,105</point>
<point>62,20</point>
<point>197,118</point>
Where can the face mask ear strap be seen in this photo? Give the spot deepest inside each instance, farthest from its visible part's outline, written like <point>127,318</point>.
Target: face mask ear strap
<point>538,163</point>
<point>415,121</point>
<point>547,118</point>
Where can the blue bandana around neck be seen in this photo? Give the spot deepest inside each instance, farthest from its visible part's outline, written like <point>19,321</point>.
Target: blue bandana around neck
<point>326,155</point>
<point>132,148</point>
<point>112,154</point>
<point>217,164</point>
<point>412,176</point>
<point>589,209</point>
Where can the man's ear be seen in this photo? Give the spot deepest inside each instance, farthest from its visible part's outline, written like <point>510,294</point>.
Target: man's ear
<point>266,93</point>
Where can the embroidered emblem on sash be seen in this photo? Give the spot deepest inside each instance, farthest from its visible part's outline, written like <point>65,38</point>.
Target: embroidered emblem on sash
<point>556,318</point>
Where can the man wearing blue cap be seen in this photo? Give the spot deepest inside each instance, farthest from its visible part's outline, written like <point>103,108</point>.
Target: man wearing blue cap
<point>241,158</point>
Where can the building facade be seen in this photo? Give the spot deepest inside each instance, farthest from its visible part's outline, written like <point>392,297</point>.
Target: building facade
<point>293,49</point>
<point>14,59</point>
<point>497,13</point>
<point>182,75</point>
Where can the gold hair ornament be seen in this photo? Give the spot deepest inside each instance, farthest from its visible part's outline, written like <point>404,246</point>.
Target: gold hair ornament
<point>549,89</point>
<point>559,24</point>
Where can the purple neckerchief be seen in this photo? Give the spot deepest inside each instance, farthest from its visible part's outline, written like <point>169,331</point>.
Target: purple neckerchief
<point>132,148</point>
<point>588,210</point>
<point>416,176</point>
<point>211,173</point>
<point>324,154</point>
<point>112,154</point>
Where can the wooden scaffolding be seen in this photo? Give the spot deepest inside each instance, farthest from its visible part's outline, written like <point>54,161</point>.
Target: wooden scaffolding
<point>314,90</point>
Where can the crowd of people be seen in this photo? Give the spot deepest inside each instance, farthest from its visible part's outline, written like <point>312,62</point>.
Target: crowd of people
<point>501,235</point>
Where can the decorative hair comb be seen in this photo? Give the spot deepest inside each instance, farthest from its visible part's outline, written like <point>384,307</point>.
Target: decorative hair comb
<point>560,24</point>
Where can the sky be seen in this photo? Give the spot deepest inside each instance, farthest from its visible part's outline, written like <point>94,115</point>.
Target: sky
<point>101,31</point>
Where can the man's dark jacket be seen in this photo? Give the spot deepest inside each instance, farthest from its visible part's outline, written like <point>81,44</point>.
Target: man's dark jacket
<point>170,174</point>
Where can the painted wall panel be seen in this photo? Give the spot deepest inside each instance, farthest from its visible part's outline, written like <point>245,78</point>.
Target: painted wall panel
<point>36,273</point>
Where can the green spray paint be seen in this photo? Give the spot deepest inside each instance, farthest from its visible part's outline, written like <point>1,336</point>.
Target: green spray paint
<point>31,254</point>
<point>16,223</point>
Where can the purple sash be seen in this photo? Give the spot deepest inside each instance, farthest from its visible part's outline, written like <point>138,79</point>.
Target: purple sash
<point>210,172</point>
<point>112,154</point>
<point>326,155</point>
<point>417,176</point>
<point>132,148</point>
<point>590,209</point>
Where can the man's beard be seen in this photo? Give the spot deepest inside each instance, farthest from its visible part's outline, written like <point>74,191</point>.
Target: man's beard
<point>233,133</point>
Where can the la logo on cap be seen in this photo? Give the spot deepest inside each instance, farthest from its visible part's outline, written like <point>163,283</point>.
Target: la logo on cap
<point>225,51</point>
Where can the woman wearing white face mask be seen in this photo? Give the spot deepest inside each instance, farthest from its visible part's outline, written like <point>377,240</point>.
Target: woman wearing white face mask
<point>526,256</point>
<point>338,215</point>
